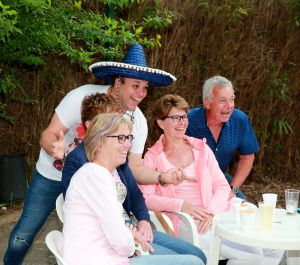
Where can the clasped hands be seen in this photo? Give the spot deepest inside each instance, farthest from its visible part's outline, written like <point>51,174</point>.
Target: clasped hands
<point>199,214</point>
<point>143,235</point>
<point>174,176</point>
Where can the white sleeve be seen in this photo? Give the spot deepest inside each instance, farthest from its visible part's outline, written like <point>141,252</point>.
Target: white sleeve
<point>69,109</point>
<point>140,132</point>
<point>99,191</point>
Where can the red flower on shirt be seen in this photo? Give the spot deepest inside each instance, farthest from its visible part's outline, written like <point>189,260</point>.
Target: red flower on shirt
<point>80,131</point>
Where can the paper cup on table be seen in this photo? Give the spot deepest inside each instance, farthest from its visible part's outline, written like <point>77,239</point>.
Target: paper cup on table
<point>248,219</point>
<point>291,200</point>
<point>270,198</point>
<point>265,216</point>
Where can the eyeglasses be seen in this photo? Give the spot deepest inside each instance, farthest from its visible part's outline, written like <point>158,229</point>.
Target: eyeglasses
<point>122,138</point>
<point>177,118</point>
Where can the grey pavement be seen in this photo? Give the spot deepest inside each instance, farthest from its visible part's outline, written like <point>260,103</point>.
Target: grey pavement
<point>39,253</point>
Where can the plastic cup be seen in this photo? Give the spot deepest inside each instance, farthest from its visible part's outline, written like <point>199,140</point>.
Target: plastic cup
<point>265,216</point>
<point>248,218</point>
<point>291,200</point>
<point>237,207</point>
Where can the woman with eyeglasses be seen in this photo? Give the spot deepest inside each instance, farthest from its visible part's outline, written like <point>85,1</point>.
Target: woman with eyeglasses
<point>95,231</point>
<point>203,191</point>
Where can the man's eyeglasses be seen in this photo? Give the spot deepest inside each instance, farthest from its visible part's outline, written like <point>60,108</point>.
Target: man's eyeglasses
<point>122,138</point>
<point>177,118</point>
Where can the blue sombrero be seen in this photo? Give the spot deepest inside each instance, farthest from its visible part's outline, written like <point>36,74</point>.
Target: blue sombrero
<point>134,65</point>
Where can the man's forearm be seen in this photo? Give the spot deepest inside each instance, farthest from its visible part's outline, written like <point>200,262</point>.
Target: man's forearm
<point>243,170</point>
<point>144,175</point>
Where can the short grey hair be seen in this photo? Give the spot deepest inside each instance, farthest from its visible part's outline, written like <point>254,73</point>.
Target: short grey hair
<point>210,83</point>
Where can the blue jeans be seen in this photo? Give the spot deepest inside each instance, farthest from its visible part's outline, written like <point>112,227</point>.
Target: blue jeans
<point>165,244</point>
<point>166,260</point>
<point>39,203</point>
<point>229,179</point>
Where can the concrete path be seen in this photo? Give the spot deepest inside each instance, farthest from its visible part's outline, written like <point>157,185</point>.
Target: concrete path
<point>39,253</point>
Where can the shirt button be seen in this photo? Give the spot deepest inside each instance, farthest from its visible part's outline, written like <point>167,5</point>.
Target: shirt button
<point>216,149</point>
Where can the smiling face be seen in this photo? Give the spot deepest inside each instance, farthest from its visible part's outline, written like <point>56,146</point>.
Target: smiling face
<point>131,93</point>
<point>115,151</point>
<point>221,106</point>
<point>174,130</point>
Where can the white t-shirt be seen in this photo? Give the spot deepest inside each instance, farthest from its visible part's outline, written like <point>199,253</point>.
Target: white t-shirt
<point>69,113</point>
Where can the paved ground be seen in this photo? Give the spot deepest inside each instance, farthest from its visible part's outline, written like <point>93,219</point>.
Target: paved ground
<point>39,254</point>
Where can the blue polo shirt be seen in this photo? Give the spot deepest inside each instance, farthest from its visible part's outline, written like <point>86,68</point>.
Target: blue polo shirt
<point>236,135</point>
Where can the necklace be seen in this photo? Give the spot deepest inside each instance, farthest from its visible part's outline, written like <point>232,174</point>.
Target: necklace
<point>131,116</point>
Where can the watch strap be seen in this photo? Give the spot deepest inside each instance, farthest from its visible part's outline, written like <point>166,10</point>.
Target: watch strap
<point>234,189</point>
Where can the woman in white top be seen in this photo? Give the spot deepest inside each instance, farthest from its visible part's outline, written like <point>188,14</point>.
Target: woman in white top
<point>94,228</point>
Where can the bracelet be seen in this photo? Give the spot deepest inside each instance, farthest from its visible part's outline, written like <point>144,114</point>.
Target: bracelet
<point>160,181</point>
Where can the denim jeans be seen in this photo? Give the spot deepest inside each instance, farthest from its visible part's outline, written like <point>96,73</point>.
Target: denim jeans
<point>229,179</point>
<point>165,244</point>
<point>39,203</point>
<point>166,260</point>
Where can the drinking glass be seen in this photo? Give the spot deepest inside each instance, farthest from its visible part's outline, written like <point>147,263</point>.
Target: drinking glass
<point>291,200</point>
<point>265,216</point>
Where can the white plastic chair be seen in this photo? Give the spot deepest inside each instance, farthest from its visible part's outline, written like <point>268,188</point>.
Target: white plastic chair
<point>54,241</point>
<point>188,231</point>
<point>59,207</point>
<point>157,223</point>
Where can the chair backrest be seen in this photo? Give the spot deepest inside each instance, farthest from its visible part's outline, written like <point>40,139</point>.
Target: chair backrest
<point>54,241</point>
<point>161,222</point>
<point>188,230</point>
<point>59,207</point>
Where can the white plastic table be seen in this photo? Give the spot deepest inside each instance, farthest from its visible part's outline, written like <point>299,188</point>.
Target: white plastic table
<point>285,235</point>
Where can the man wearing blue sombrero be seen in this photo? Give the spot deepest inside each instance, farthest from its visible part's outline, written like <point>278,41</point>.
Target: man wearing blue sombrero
<point>130,81</point>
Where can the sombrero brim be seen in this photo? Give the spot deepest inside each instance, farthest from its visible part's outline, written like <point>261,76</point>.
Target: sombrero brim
<point>106,70</point>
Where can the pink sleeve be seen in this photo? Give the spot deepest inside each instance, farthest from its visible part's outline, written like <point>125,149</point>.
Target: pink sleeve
<point>220,187</point>
<point>154,193</point>
<point>99,192</point>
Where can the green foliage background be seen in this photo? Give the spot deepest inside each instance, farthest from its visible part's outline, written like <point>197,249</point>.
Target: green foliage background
<point>47,46</point>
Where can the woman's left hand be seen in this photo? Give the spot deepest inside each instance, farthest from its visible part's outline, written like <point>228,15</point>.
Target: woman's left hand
<point>205,225</point>
<point>144,228</point>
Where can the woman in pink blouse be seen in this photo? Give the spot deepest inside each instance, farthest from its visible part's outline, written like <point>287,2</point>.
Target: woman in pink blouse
<point>203,191</point>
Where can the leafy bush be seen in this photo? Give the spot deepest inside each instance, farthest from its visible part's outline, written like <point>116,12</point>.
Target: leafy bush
<point>31,30</point>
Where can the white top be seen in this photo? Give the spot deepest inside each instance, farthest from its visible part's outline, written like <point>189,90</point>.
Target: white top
<point>94,229</point>
<point>69,113</point>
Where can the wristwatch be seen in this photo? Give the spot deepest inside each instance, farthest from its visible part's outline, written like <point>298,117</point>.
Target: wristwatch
<point>234,189</point>
<point>160,180</point>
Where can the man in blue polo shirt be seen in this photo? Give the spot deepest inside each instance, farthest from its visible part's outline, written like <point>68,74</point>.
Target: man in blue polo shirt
<point>227,130</point>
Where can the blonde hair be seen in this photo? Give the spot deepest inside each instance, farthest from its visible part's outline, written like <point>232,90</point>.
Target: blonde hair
<point>102,125</point>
